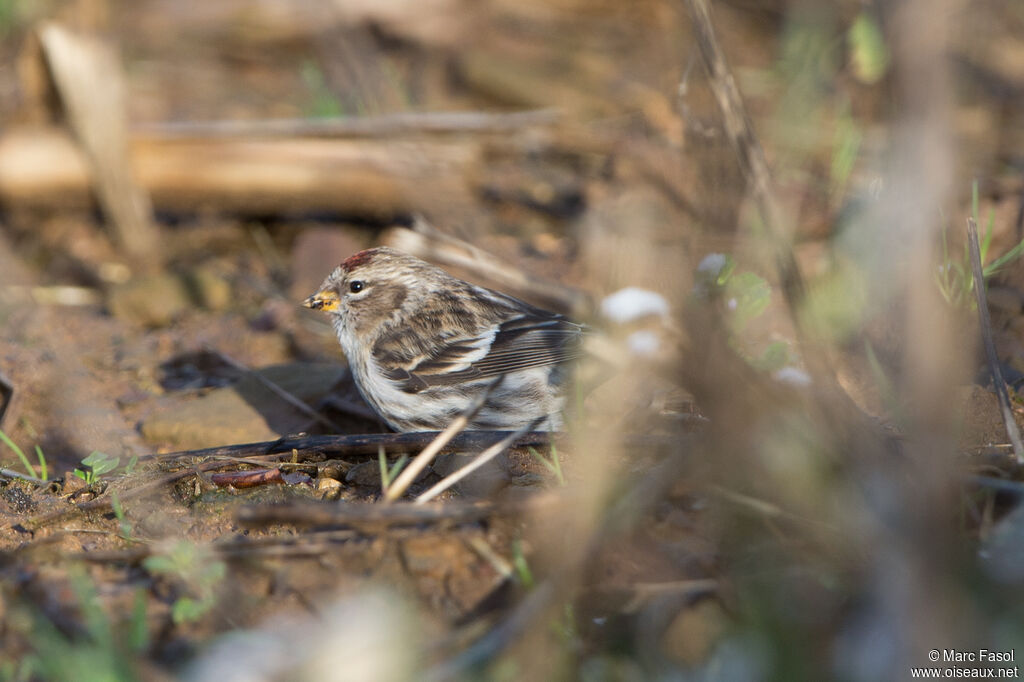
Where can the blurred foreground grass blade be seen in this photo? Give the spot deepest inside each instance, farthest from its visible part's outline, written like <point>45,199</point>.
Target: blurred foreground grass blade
<point>21,455</point>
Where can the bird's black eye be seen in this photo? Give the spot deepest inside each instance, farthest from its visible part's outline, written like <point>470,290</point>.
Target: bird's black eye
<point>355,286</point>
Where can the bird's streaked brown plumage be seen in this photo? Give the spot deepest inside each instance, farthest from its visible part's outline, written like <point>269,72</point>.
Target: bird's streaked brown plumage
<point>422,344</point>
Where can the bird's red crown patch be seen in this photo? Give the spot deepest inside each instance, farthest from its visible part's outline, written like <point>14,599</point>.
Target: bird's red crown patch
<point>357,259</point>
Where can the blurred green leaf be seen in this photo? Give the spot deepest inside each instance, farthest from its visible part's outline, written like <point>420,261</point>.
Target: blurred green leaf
<point>726,272</point>
<point>748,295</point>
<point>845,150</point>
<point>324,104</point>
<point>159,563</point>
<point>835,302</point>
<point>774,357</point>
<point>19,452</point>
<point>1004,260</point>
<point>188,610</point>
<point>101,463</point>
<point>869,57</point>
<point>521,566</point>
<point>138,635</point>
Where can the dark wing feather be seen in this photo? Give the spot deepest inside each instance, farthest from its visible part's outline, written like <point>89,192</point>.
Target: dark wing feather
<point>523,342</point>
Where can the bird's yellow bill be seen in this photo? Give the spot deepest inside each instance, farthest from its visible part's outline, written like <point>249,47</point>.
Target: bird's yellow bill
<point>322,300</point>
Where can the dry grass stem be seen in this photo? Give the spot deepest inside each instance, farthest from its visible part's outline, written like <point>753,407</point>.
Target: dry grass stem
<point>478,461</point>
<point>748,149</point>
<point>420,462</point>
<point>985,321</point>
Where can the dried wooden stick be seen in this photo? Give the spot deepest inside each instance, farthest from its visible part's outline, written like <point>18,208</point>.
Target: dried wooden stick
<point>990,347</point>
<point>355,445</point>
<point>91,86</point>
<point>43,167</point>
<point>383,125</point>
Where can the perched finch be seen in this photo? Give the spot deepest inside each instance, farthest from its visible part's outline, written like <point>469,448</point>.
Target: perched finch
<point>423,344</point>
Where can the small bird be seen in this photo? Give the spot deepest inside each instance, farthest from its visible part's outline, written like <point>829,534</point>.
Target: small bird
<point>422,345</point>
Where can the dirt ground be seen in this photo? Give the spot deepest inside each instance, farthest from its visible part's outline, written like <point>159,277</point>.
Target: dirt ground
<point>707,514</point>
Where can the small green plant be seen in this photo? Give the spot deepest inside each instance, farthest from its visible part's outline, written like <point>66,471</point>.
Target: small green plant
<point>954,279</point>
<point>746,296</point>
<point>387,475</point>
<point>198,573</point>
<point>99,463</point>
<point>95,465</point>
<point>845,152</point>
<point>775,356</point>
<point>123,524</point>
<point>554,464</point>
<point>519,562</point>
<point>566,627</point>
<point>105,652</point>
<point>43,473</point>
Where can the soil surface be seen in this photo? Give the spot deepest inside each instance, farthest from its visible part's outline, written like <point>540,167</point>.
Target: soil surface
<point>681,515</point>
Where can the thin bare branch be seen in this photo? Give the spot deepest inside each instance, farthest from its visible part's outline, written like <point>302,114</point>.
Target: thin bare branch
<point>10,473</point>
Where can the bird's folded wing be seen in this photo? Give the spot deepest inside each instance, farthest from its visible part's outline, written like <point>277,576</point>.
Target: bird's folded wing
<point>518,344</point>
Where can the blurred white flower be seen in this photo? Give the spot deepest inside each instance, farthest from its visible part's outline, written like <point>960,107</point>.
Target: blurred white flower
<point>643,342</point>
<point>633,303</point>
<point>793,376</point>
<point>712,264</point>
<point>366,636</point>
